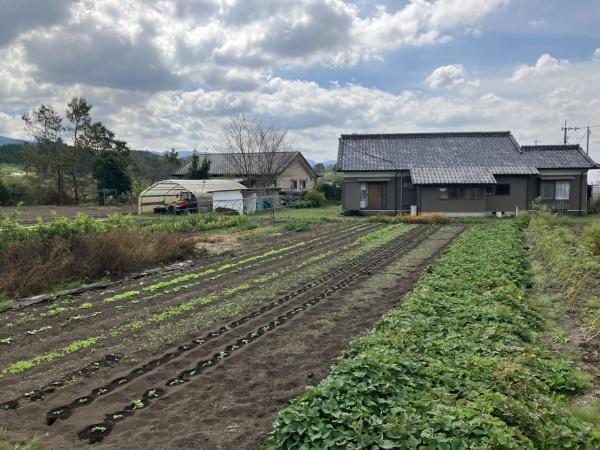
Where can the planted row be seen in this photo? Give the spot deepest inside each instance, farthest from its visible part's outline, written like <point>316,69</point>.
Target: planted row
<point>459,365</point>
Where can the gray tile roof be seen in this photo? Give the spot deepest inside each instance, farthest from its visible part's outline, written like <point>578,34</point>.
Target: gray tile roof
<point>451,175</point>
<point>452,158</point>
<point>557,157</point>
<point>220,163</point>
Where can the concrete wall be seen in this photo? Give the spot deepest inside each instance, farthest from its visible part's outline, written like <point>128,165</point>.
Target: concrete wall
<point>296,170</point>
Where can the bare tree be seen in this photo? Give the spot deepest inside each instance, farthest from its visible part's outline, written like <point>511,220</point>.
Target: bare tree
<point>255,152</point>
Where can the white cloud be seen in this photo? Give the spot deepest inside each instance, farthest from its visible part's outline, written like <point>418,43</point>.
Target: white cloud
<point>545,64</point>
<point>167,74</point>
<point>444,76</point>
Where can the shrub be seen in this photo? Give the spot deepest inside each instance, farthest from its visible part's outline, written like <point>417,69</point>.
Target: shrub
<point>591,237</point>
<point>297,204</point>
<point>419,218</point>
<point>523,219</point>
<point>315,197</point>
<point>296,226</point>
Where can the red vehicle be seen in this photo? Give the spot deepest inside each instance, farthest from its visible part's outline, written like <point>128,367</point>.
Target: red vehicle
<point>186,203</point>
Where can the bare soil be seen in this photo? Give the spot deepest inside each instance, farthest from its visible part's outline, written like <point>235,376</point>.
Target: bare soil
<point>216,375</point>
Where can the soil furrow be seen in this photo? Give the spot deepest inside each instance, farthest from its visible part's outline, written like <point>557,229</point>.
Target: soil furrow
<point>239,336</point>
<point>130,311</point>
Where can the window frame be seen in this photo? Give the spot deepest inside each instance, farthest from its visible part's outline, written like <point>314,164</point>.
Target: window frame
<point>293,184</point>
<point>458,192</point>
<point>364,196</point>
<point>303,183</point>
<point>566,183</point>
<point>555,192</point>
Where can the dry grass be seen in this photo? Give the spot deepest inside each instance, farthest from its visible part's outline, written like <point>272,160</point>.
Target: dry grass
<point>28,268</point>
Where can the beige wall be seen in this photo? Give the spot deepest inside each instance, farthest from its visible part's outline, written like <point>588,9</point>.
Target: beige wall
<point>295,171</point>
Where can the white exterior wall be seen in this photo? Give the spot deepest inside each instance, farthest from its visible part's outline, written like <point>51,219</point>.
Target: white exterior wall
<point>228,199</point>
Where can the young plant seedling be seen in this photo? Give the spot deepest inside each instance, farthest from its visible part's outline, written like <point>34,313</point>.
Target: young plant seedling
<point>137,404</point>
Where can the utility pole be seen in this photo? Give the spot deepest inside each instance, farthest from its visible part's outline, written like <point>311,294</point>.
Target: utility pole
<point>565,129</point>
<point>587,146</point>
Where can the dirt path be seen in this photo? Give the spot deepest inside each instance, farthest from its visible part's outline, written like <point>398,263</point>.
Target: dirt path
<point>221,388</point>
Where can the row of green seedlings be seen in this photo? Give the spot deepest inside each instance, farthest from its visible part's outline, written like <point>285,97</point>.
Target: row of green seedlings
<point>461,364</point>
<point>97,432</point>
<point>40,394</point>
<point>57,310</point>
<point>187,307</point>
<point>265,308</point>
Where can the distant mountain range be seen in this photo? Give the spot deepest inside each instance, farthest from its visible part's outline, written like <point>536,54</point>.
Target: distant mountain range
<point>182,153</point>
<point>7,141</point>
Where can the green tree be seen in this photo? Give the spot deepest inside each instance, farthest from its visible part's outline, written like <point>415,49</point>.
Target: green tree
<point>80,156</point>
<point>112,175</point>
<point>198,170</point>
<point>172,157</point>
<point>319,168</point>
<point>46,154</point>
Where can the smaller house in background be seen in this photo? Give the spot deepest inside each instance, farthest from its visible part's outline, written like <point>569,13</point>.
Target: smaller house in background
<point>295,175</point>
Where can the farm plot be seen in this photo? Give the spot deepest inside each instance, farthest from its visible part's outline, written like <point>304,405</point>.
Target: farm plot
<point>268,322</point>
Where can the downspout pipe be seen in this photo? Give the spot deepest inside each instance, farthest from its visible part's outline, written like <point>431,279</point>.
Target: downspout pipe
<point>396,193</point>
<point>401,192</point>
<point>581,193</point>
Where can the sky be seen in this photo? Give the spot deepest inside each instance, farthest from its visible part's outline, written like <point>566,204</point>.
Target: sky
<point>170,73</point>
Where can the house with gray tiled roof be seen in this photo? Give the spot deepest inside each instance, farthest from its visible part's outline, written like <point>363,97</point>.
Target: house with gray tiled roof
<point>471,173</point>
<point>295,173</point>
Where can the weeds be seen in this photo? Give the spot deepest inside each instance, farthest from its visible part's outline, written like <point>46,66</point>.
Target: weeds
<point>45,264</point>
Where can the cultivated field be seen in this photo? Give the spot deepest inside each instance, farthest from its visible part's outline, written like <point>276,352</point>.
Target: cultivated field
<point>205,357</point>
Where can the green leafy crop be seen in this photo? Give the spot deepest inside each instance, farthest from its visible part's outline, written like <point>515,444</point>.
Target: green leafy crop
<point>459,365</point>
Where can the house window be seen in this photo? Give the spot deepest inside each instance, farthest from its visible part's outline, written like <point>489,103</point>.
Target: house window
<point>563,190</point>
<point>502,189</point>
<point>460,193</point>
<point>555,190</point>
<point>303,184</point>
<point>293,184</point>
<point>363,195</point>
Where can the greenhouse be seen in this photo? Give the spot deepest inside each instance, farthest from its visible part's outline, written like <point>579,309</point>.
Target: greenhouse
<point>195,195</point>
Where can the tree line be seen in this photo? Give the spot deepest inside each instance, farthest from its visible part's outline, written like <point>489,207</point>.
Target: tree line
<point>73,158</point>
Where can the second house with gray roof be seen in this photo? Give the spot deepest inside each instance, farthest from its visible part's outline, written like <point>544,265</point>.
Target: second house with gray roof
<point>471,173</point>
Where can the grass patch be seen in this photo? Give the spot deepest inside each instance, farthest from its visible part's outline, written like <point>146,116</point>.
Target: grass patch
<point>27,444</point>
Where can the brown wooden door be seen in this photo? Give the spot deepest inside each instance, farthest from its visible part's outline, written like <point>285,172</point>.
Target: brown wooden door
<point>374,196</point>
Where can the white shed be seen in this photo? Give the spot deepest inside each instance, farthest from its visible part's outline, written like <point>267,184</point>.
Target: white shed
<point>166,192</point>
